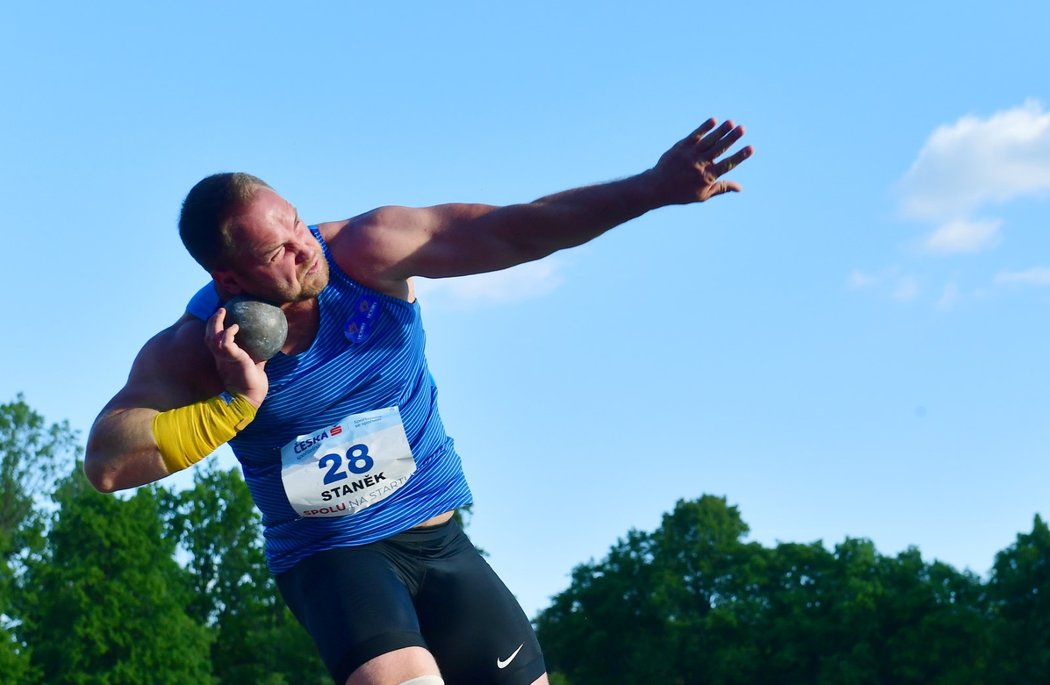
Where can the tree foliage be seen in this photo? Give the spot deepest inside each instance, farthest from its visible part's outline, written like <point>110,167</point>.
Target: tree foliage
<point>30,454</point>
<point>29,461</point>
<point>108,601</point>
<point>1019,591</point>
<point>693,602</point>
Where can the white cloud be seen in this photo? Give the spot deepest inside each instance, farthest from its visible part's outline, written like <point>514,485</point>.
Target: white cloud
<point>1036,276</point>
<point>962,235</point>
<point>972,164</point>
<point>523,282</point>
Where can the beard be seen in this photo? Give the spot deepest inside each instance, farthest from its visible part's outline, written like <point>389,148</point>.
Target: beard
<point>311,285</point>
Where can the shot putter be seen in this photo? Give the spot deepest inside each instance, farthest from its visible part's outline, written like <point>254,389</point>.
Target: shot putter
<point>263,326</point>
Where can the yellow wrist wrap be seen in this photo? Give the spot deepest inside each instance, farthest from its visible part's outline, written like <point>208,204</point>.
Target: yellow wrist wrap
<point>187,434</point>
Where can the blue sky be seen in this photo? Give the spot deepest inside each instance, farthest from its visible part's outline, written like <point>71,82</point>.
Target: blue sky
<point>853,346</point>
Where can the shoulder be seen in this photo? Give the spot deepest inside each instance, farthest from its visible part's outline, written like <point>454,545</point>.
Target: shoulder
<point>369,247</point>
<point>369,234</point>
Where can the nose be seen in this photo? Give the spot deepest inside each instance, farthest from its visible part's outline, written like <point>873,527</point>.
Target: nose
<point>304,249</point>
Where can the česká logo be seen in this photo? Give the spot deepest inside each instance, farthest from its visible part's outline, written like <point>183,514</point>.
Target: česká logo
<point>316,438</point>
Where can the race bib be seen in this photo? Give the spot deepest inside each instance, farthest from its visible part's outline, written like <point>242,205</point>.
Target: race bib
<point>342,469</point>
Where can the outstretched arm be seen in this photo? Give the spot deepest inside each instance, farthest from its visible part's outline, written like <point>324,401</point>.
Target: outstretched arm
<point>391,244</point>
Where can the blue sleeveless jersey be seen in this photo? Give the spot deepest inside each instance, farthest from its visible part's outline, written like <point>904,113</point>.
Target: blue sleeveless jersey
<point>337,376</point>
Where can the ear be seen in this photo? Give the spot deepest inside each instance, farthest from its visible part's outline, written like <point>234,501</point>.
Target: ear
<point>227,282</point>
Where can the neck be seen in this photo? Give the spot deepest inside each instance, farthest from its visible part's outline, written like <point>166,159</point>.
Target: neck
<point>304,318</point>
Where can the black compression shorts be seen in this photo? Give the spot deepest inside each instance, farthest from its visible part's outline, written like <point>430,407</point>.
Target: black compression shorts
<point>427,587</point>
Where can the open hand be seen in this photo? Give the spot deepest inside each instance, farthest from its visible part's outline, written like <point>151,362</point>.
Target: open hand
<point>691,171</point>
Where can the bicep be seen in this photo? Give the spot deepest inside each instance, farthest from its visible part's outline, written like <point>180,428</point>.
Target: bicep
<point>395,243</point>
<point>172,370</point>
<point>167,373</point>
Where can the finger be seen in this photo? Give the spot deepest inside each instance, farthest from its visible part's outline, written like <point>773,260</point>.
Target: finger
<point>725,187</point>
<point>228,339</point>
<point>727,141</point>
<point>733,161</point>
<point>711,140</point>
<point>702,131</point>
<point>214,327</point>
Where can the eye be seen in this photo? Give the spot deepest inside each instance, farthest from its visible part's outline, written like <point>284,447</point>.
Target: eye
<point>276,254</point>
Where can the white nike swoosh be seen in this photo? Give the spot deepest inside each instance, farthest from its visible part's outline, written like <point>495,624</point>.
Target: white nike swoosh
<point>503,664</point>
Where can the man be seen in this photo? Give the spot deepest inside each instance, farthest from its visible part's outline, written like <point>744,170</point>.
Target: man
<point>338,436</point>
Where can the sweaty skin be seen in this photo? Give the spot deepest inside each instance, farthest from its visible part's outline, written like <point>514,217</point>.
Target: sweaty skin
<point>278,259</point>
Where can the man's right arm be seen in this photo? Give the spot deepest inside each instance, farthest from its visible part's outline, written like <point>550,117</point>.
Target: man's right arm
<point>176,372</point>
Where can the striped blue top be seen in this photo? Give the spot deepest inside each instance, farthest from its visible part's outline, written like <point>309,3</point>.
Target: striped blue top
<point>336,377</point>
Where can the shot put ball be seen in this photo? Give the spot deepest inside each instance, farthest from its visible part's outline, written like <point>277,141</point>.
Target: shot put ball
<point>263,326</point>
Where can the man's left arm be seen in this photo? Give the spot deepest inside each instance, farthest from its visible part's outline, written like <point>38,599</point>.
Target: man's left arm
<point>392,244</point>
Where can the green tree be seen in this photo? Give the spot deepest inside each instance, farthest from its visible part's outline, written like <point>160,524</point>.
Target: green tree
<point>30,451</point>
<point>692,602</point>
<point>705,576</point>
<point>852,592</point>
<point>1019,591</point>
<point>792,629</point>
<point>932,622</point>
<point>257,640</point>
<point>608,627</point>
<point>647,611</point>
<point>853,616</point>
<point>110,600</point>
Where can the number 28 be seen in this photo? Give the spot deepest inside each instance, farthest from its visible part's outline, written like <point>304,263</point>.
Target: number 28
<point>357,462</point>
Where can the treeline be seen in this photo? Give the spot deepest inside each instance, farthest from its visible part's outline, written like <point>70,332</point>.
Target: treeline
<point>692,603</point>
<point>160,587</point>
<point>172,587</point>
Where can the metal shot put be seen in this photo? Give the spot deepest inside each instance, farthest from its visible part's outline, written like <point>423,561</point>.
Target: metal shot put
<point>262,327</point>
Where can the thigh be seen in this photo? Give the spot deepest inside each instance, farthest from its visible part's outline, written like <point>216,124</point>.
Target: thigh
<point>474,626</point>
<point>354,604</point>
